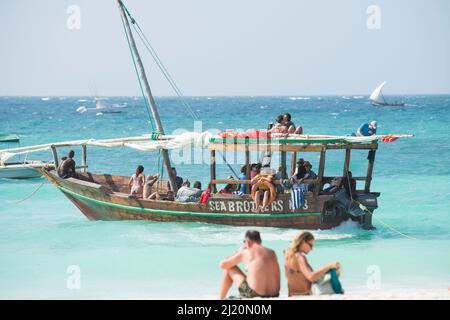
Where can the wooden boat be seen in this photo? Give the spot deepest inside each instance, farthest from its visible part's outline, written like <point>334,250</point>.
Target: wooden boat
<point>379,100</point>
<point>106,197</point>
<point>9,138</point>
<point>21,170</point>
<point>103,196</point>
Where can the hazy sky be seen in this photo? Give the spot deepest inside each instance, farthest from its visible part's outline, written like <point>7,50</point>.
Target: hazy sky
<point>227,47</point>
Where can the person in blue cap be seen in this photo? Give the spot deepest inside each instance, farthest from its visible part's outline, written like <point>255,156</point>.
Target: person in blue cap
<point>367,129</point>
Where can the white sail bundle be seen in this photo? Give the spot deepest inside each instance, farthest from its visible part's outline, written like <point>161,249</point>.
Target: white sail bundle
<point>142,143</point>
<point>377,95</point>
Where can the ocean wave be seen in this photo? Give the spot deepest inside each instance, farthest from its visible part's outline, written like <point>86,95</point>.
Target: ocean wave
<point>299,98</point>
<point>222,235</point>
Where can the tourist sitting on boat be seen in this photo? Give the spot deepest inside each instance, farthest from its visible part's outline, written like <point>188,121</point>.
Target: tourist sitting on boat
<point>188,194</point>
<point>279,126</point>
<point>301,278</point>
<point>334,185</point>
<point>137,181</point>
<point>67,168</point>
<point>206,194</point>
<point>149,182</point>
<point>310,175</point>
<point>170,196</point>
<point>178,180</point>
<point>229,188</point>
<point>367,129</point>
<point>243,176</point>
<point>300,170</point>
<point>263,272</point>
<point>263,188</point>
<point>255,170</point>
<point>349,185</point>
<point>290,126</point>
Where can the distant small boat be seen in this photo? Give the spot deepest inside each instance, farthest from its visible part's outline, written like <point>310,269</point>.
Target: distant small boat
<point>379,100</point>
<point>9,138</point>
<point>21,170</point>
<point>101,107</point>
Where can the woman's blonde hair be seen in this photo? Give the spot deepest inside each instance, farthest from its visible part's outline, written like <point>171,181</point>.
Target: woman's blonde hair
<point>295,246</point>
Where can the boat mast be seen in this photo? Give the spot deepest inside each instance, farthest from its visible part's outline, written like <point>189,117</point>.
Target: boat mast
<point>149,96</point>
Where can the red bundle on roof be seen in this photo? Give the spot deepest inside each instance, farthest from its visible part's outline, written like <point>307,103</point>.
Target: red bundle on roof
<point>389,138</point>
<point>250,134</point>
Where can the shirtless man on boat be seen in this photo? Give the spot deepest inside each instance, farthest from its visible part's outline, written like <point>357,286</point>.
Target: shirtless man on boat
<point>67,168</point>
<point>263,271</point>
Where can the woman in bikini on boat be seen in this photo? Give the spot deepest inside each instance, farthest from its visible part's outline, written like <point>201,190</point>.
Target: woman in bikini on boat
<point>300,276</point>
<point>137,181</point>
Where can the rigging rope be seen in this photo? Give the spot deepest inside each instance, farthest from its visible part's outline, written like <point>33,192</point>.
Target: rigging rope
<point>364,208</point>
<point>229,166</point>
<point>31,194</point>
<point>160,65</point>
<point>137,73</point>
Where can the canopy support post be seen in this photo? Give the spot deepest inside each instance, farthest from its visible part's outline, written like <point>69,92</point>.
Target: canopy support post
<point>84,157</point>
<point>369,172</point>
<point>247,165</point>
<point>55,157</point>
<point>321,172</point>
<point>293,163</point>
<point>213,170</point>
<point>283,165</point>
<point>347,161</point>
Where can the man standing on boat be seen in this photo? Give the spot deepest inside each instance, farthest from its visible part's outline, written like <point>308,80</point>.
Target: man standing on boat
<point>67,168</point>
<point>367,129</point>
<point>263,271</point>
<point>178,180</point>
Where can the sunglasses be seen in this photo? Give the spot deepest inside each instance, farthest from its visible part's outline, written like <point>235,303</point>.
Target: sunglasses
<point>309,244</point>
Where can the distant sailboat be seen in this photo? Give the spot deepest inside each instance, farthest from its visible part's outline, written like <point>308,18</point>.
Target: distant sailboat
<point>379,100</point>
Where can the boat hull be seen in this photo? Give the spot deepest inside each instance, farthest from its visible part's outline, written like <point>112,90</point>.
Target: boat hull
<point>18,172</point>
<point>393,104</point>
<point>100,202</point>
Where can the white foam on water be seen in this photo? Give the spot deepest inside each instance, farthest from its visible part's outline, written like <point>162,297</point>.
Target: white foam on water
<point>358,97</point>
<point>81,109</point>
<point>45,99</point>
<point>82,100</point>
<point>99,114</point>
<point>223,235</point>
<point>299,98</point>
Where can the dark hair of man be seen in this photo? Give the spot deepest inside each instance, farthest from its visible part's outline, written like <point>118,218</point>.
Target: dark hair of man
<point>71,154</point>
<point>253,235</point>
<point>197,184</point>
<point>288,116</point>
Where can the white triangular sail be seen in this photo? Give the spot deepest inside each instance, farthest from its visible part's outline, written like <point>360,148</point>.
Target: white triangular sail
<point>376,95</point>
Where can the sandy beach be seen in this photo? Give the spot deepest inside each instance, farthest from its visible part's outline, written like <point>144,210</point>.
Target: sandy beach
<point>398,294</point>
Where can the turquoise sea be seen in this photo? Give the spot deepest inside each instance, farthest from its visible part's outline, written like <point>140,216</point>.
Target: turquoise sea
<point>44,239</point>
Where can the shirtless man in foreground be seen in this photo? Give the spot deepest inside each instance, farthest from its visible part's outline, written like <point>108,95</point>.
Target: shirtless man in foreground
<point>263,272</point>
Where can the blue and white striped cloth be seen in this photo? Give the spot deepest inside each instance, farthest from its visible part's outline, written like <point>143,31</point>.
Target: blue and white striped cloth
<point>298,196</point>
<point>239,193</point>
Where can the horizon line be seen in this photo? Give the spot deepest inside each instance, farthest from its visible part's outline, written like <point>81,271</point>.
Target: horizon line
<point>226,96</point>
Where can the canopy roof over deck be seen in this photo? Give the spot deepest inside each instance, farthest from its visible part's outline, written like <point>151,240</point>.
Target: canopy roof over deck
<point>154,142</point>
<point>296,143</point>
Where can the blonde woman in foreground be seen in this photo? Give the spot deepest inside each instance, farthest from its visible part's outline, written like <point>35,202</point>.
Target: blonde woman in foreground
<point>300,276</point>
